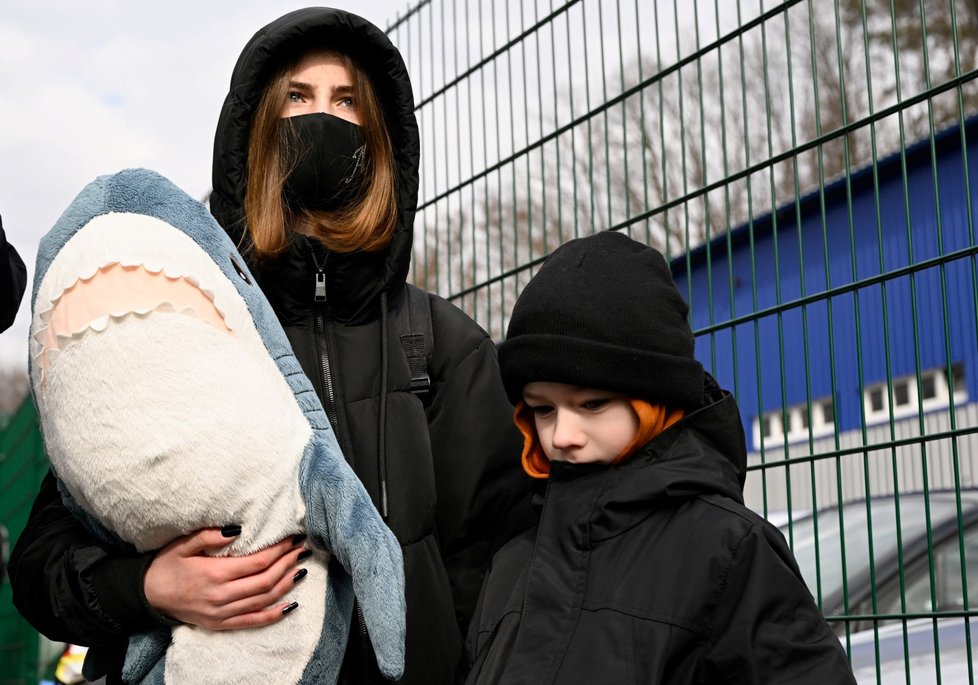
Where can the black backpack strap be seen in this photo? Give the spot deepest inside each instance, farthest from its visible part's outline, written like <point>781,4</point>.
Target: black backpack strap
<point>417,339</point>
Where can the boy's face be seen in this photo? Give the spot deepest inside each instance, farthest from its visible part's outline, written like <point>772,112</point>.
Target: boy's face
<point>580,425</point>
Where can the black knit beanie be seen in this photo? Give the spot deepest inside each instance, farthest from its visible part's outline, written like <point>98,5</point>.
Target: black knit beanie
<point>603,312</point>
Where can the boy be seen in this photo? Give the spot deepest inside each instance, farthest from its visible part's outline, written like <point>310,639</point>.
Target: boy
<point>645,567</point>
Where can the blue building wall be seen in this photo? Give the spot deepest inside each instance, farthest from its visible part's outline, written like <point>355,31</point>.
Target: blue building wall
<point>767,330</point>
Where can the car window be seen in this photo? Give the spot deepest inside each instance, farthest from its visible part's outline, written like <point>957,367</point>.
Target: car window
<point>949,589</point>
<point>821,560</point>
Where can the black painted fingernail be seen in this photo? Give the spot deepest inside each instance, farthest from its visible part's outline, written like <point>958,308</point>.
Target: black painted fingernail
<point>231,531</point>
<point>304,554</point>
<point>299,575</point>
<point>290,607</point>
<point>298,537</point>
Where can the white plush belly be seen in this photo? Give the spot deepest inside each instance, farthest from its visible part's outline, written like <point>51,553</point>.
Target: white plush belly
<point>161,425</point>
<point>164,427</point>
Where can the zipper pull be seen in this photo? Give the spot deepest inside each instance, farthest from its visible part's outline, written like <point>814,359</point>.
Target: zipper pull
<point>320,287</point>
<point>320,293</point>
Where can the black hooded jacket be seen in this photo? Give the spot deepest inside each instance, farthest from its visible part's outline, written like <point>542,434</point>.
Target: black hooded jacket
<point>446,461</point>
<point>453,485</point>
<point>653,571</point>
<point>13,280</point>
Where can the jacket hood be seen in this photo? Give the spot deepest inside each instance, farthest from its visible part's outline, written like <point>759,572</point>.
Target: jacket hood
<point>280,42</point>
<point>704,454</point>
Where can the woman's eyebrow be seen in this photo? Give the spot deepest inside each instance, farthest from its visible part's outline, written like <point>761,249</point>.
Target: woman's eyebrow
<point>345,89</point>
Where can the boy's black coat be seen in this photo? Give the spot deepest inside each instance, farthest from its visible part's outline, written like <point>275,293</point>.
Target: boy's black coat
<point>653,572</point>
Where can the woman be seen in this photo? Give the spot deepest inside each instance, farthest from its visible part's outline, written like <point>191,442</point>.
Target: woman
<point>315,175</point>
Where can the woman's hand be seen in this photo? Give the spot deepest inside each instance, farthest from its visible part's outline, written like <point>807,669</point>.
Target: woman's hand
<point>220,593</point>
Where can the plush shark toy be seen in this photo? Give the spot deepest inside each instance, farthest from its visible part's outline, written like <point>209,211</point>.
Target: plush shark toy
<point>170,401</point>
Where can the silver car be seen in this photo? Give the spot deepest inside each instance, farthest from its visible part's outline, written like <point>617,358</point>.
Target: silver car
<point>920,629</point>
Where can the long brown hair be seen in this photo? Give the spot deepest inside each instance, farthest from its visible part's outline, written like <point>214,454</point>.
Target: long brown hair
<point>367,224</point>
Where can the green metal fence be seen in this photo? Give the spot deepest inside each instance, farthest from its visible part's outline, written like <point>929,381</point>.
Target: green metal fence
<point>25,657</point>
<point>806,166</point>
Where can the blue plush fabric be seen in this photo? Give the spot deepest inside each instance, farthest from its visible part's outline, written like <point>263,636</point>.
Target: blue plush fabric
<point>339,514</point>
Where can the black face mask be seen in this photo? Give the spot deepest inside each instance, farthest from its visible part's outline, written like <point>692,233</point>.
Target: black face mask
<point>329,152</point>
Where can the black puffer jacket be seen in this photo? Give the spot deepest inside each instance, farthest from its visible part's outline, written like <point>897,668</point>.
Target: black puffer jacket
<point>653,572</point>
<point>449,464</point>
<point>451,480</point>
<point>13,279</point>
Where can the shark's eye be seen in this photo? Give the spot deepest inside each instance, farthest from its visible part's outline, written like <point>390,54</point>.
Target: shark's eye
<point>241,271</point>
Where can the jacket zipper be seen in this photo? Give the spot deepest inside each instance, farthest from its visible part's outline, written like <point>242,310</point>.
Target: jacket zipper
<point>365,652</point>
<point>332,413</point>
<point>322,341</point>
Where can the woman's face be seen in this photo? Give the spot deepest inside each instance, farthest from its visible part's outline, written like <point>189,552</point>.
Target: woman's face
<point>321,83</point>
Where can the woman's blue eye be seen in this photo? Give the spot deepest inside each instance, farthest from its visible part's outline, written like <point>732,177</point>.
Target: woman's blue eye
<point>592,405</point>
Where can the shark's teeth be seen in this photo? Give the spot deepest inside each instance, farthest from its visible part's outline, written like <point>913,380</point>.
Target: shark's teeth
<point>134,262</point>
<point>136,310</point>
<point>86,274</point>
<point>37,345</point>
<point>230,321</point>
<point>45,357</point>
<point>173,272</point>
<point>103,322</point>
<point>170,271</point>
<point>98,324</point>
<point>212,295</point>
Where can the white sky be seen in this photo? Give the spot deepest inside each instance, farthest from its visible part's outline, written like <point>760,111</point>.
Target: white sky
<point>89,87</point>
